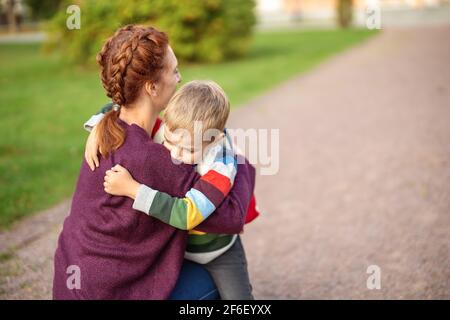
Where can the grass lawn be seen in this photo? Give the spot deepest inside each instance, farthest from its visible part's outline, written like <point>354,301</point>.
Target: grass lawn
<point>43,103</point>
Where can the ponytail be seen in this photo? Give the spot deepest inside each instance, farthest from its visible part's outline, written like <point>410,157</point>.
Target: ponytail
<point>110,135</point>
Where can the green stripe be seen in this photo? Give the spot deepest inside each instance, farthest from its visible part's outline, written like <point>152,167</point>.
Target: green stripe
<point>216,244</point>
<point>200,239</point>
<point>178,214</point>
<point>162,207</point>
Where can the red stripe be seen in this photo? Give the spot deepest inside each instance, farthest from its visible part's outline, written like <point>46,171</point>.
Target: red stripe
<point>218,180</point>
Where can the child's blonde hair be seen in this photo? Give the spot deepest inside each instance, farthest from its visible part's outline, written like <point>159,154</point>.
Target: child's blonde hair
<point>198,100</point>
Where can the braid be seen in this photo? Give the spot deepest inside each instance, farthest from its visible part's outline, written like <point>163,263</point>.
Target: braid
<point>132,56</point>
<point>102,56</point>
<point>119,66</point>
<point>101,60</point>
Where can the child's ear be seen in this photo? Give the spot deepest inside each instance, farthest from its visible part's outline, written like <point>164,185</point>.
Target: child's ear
<point>218,137</point>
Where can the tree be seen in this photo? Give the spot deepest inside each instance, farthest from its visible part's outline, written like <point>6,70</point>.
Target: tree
<point>43,9</point>
<point>199,30</point>
<point>345,13</point>
<point>11,15</point>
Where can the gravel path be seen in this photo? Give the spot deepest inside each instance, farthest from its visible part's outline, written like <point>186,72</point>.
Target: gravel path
<point>364,180</point>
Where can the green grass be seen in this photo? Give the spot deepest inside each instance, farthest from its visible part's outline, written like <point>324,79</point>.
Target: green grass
<point>44,101</point>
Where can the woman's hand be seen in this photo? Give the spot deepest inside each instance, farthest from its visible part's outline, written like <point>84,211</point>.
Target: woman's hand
<point>119,182</point>
<point>91,151</point>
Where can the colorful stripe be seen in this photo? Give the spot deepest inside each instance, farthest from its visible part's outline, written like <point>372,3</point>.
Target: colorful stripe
<point>215,243</point>
<point>207,254</point>
<point>218,180</point>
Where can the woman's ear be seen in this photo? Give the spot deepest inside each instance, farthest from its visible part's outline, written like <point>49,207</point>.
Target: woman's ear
<point>151,88</point>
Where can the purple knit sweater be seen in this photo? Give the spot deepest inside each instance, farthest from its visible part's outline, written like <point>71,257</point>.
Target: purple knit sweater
<point>124,254</point>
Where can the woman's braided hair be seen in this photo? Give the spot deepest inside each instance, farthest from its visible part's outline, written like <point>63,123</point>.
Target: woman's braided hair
<point>131,57</point>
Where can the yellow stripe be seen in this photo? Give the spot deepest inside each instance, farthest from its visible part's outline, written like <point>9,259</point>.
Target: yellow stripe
<point>196,232</point>
<point>194,217</point>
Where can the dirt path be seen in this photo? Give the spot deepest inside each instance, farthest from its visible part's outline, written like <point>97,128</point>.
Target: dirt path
<point>364,180</point>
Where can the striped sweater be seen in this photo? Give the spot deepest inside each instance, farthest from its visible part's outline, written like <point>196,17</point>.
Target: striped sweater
<point>218,169</point>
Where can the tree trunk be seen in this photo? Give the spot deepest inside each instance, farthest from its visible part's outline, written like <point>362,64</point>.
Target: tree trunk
<point>11,16</point>
<point>345,13</point>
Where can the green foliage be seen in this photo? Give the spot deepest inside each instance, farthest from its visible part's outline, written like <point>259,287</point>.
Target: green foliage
<point>199,30</point>
<point>43,9</point>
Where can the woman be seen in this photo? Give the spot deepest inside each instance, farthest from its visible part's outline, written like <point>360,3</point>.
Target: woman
<point>120,254</point>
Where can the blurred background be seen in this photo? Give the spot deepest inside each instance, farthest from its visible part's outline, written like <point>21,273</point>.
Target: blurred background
<point>306,67</point>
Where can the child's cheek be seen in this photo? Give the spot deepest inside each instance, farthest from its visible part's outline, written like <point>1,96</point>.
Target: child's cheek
<point>191,158</point>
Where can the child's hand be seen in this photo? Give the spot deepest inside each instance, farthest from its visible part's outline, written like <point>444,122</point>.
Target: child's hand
<point>91,151</point>
<point>119,182</point>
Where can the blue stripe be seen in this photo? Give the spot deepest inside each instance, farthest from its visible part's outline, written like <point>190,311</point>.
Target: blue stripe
<point>202,203</point>
<point>226,159</point>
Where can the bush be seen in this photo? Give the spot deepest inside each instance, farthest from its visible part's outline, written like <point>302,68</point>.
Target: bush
<point>43,9</point>
<point>199,30</point>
